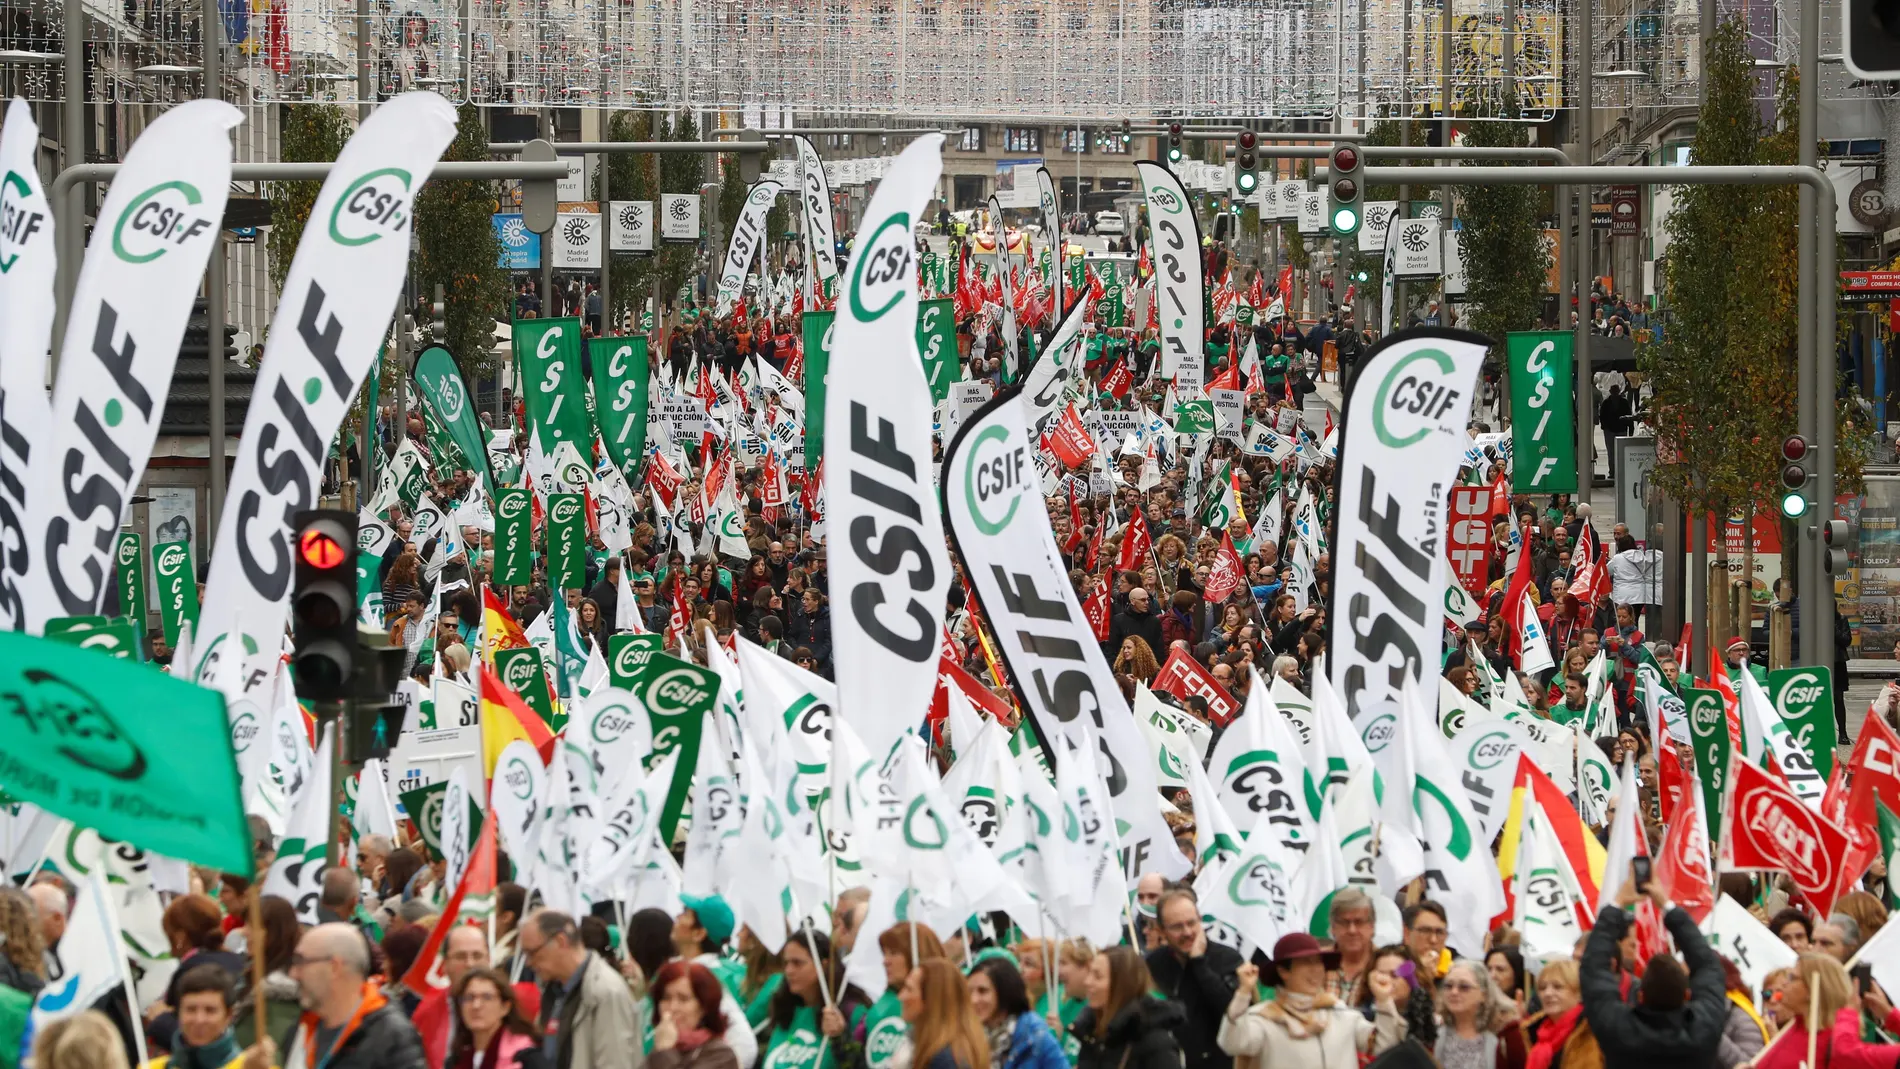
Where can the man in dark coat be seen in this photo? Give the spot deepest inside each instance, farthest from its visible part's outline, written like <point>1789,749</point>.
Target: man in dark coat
<point>1677,1018</point>
<point>1195,973</point>
<point>1140,619</point>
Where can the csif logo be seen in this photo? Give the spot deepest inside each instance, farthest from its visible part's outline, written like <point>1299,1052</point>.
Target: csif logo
<point>676,691</point>
<point>996,471</point>
<point>1380,732</point>
<point>1415,398</point>
<point>512,505</point>
<point>128,552</point>
<point>631,660</point>
<point>158,220</point>
<point>453,399</point>
<point>565,510</point>
<point>373,205</point>
<point>611,722</point>
<point>1799,693</point>
<point>243,731</point>
<point>519,778</point>
<point>171,560</point>
<point>1489,749</point>
<point>17,223</point>
<point>519,673</point>
<point>1705,714</point>
<point>1165,199</point>
<point>883,271</point>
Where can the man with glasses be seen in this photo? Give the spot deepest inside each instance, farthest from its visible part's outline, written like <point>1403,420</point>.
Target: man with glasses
<point>587,1013</point>
<point>1426,928</point>
<point>1352,921</point>
<point>1195,973</point>
<point>347,1023</point>
<point>463,951</point>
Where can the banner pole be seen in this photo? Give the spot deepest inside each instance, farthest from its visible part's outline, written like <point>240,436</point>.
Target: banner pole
<point>255,922</point>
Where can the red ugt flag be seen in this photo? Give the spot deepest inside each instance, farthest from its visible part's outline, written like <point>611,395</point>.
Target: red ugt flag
<point>1767,828</point>
<point>1227,575</point>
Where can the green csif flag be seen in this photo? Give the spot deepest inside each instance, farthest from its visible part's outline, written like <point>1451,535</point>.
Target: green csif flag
<point>629,657</point>
<point>817,349</point>
<point>677,695</point>
<point>621,374</point>
<point>445,395</point>
<point>424,806</point>
<point>81,740</point>
<point>129,561</point>
<point>514,538</point>
<point>1804,698</point>
<point>177,587</point>
<point>937,342</point>
<point>1708,737</point>
<point>548,351</point>
<point>567,540</point>
<point>1543,411</point>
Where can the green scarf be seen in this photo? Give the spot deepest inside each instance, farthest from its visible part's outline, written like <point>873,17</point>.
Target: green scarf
<point>216,1054</point>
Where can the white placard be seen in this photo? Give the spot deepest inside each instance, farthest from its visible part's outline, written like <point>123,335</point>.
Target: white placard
<point>1292,192</point>
<point>1378,215</point>
<point>1268,197</point>
<point>576,241</point>
<point>1418,250</point>
<point>1217,177</point>
<point>632,226</point>
<point>1313,214</point>
<point>1454,264</point>
<point>574,186</point>
<point>451,736</point>
<point>679,217</point>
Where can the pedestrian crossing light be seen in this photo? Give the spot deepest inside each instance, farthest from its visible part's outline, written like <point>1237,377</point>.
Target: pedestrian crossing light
<point>1834,558</point>
<point>323,637</point>
<point>1246,162</point>
<point>1174,142</point>
<point>1794,476</point>
<point>1345,193</point>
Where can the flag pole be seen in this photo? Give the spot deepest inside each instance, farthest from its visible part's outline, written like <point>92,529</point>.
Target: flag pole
<point>254,921</point>
<point>95,883</point>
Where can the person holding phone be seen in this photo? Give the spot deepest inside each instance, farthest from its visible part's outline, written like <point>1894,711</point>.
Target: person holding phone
<point>1679,1014</point>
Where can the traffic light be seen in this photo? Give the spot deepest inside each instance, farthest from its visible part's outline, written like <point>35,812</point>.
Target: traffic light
<point>439,318</point>
<point>1174,142</point>
<point>1247,163</point>
<point>1834,547</point>
<point>1794,476</point>
<point>1345,190</point>
<point>1360,275</point>
<point>1871,44</point>
<point>750,163</point>
<point>323,604</point>
<point>1128,133</point>
<point>376,714</point>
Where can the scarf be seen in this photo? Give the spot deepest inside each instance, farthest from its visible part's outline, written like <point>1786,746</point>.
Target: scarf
<point>1299,1013</point>
<point>213,1055</point>
<point>1551,1038</point>
<point>691,1039</point>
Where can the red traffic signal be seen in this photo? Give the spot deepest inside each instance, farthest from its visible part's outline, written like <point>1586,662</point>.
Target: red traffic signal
<point>1794,449</point>
<point>1174,129</point>
<point>320,550</point>
<point>1248,139</point>
<point>1345,158</point>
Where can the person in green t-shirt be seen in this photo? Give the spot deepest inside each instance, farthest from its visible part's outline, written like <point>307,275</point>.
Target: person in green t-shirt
<point>806,1032</point>
<point>886,1036</point>
<point>764,973</point>
<point>1273,370</point>
<point>700,934</point>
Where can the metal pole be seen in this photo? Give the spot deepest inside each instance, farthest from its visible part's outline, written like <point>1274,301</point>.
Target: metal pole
<point>1510,54</point>
<point>1586,273</point>
<point>1816,358</point>
<point>365,62</point>
<point>1405,138</point>
<point>71,235</point>
<point>213,33</point>
<point>1444,115</point>
<point>1566,262</point>
<point>607,261</point>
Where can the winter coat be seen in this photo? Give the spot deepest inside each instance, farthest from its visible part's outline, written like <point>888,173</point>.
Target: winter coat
<point>1743,1036</point>
<point>1033,1046</point>
<point>1139,1036</point>
<point>598,1025</point>
<point>379,1037</point>
<point>1636,1036</point>
<point>1562,1042</point>
<point>1332,1035</point>
<point>281,1008</point>
<point>508,1050</point>
<point>1203,986</point>
<point>1840,1047</point>
<point>1145,624</point>
<point>712,1054</point>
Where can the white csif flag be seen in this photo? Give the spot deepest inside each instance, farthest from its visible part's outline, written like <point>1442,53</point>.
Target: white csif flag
<point>26,326</point>
<point>815,200</point>
<point>148,252</point>
<point>328,330</point>
<point>90,953</point>
<point>891,568</point>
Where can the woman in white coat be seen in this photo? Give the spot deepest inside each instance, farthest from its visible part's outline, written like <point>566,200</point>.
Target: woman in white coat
<point>1304,1027</point>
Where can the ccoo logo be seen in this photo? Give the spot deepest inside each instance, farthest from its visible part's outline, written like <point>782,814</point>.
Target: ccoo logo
<point>373,205</point>
<point>157,221</point>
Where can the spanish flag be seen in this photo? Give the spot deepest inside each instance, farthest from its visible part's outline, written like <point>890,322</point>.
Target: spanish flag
<point>499,629</point>
<point>1581,850</point>
<point>505,718</point>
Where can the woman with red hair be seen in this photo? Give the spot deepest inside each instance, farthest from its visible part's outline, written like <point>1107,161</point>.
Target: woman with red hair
<point>688,1030</point>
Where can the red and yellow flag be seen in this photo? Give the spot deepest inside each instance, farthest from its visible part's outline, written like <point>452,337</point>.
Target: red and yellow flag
<point>499,629</point>
<point>505,718</point>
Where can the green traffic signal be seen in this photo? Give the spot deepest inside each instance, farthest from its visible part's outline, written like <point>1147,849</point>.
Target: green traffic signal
<point>1794,504</point>
<point>1345,219</point>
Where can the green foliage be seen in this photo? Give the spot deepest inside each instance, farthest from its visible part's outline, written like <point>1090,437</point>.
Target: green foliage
<point>1506,256</point>
<point>456,248</point>
<point>1725,369</point>
<point>632,177</point>
<point>1297,253</point>
<point>312,133</point>
<point>1385,133</point>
